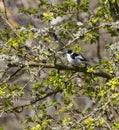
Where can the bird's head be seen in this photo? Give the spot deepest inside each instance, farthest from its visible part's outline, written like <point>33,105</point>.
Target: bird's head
<point>69,51</point>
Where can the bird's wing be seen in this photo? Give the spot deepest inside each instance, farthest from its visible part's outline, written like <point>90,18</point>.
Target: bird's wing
<point>81,57</point>
<point>73,56</point>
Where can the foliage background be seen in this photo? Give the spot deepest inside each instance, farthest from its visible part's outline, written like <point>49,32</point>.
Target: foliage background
<point>39,89</point>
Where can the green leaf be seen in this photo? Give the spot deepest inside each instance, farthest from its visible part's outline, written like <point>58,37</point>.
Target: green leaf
<point>48,16</point>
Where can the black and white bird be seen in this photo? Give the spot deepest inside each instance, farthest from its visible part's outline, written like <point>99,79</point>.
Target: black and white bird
<point>75,59</point>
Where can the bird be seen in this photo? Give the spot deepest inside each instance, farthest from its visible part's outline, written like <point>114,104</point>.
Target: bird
<point>75,59</point>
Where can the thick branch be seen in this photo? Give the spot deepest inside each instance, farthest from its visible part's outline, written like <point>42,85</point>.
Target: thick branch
<point>64,67</point>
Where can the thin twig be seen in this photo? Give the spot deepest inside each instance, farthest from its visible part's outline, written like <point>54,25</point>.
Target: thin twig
<point>34,101</point>
<point>98,46</point>
<point>107,124</point>
<point>8,25</point>
<point>5,8</point>
<point>94,111</point>
<point>1,113</point>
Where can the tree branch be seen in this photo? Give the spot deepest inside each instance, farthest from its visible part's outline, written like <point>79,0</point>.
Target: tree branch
<point>5,8</point>
<point>64,67</point>
<point>16,108</point>
<point>8,25</point>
